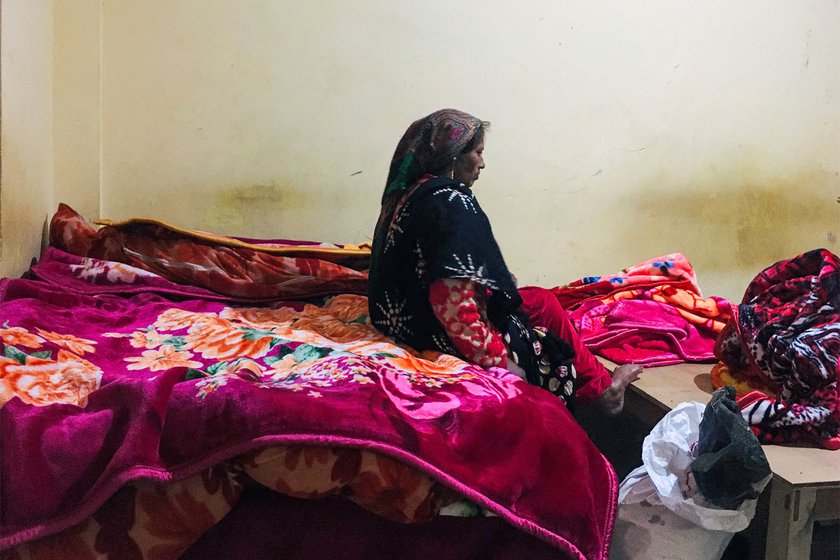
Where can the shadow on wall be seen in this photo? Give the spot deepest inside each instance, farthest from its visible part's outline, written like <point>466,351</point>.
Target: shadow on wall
<point>291,208</point>
<point>248,210</point>
<point>738,226</point>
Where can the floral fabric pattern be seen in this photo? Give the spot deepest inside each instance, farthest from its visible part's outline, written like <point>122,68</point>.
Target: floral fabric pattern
<point>145,521</point>
<point>40,375</point>
<point>456,307</point>
<point>652,313</point>
<point>286,349</point>
<point>154,521</point>
<point>227,266</point>
<point>175,379</point>
<point>375,482</point>
<point>785,336</point>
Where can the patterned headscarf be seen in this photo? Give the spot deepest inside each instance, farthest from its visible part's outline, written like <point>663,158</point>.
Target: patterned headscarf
<point>429,146</point>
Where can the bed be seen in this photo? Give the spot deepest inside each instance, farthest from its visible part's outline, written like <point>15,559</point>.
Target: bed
<point>167,393</point>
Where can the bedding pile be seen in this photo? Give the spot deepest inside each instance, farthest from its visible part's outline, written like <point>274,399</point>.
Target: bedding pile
<point>148,375</point>
<point>652,313</point>
<point>246,269</point>
<point>782,350</point>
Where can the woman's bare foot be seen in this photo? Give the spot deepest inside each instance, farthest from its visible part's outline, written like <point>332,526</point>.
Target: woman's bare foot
<point>612,400</point>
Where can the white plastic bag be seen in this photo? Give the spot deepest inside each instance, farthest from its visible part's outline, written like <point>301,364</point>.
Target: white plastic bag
<point>667,453</point>
<point>647,530</point>
<point>661,515</point>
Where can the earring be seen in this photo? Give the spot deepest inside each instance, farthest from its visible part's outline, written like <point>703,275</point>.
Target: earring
<point>452,171</point>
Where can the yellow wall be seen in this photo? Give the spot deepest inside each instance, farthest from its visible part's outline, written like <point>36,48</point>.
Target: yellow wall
<point>621,131</point>
<point>77,108</point>
<point>26,130</point>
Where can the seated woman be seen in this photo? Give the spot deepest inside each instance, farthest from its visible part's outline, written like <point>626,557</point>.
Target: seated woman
<point>438,280</point>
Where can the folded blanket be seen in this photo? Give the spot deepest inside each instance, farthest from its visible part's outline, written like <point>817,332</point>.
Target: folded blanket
<point>246,269</point>
<point>786,333</point>
<point>651,313</point>
<point>643,332</point>
<point>672,269</point>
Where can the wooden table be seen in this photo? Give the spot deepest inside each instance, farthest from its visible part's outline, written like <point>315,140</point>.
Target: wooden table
<point>806,481</point>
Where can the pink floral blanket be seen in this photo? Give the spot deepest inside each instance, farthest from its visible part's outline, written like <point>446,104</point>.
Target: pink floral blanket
<point>111,375</point>
<point>651,313</point>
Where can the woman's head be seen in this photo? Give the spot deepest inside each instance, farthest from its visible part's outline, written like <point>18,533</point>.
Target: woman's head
<point>434,145</point>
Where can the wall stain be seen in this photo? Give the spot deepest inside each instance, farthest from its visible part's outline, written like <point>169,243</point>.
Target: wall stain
<point>243,210</point>
<point>735,225</point>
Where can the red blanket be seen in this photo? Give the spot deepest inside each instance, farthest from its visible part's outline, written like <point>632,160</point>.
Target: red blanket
<point>111,374</point>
